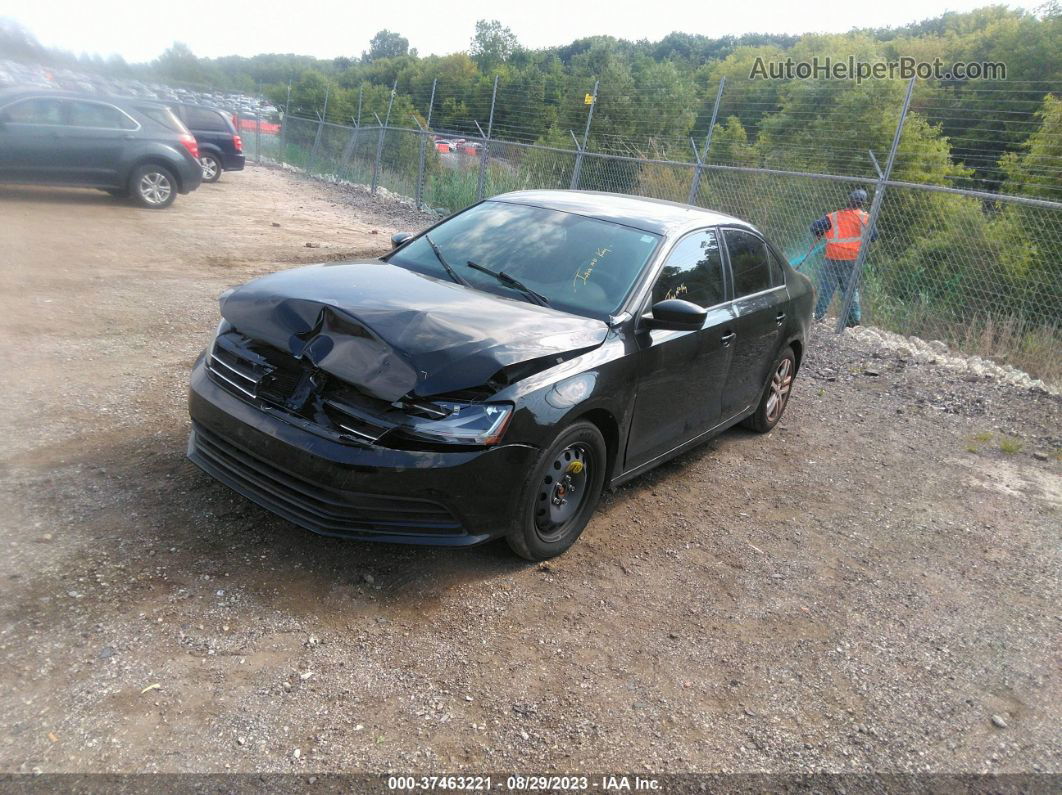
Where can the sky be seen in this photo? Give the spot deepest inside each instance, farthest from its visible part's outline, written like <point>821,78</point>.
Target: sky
<point>140,31</point>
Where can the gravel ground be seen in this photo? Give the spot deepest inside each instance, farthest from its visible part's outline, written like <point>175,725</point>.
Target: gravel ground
<point>874,586</point>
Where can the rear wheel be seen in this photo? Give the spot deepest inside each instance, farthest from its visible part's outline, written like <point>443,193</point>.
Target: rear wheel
<point>775,394</point>
<point>153,186</point>
<point>560,497</point>
<point>211,164</point>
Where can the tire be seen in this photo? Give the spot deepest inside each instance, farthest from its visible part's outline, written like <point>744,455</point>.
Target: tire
<point>211,167</point>
<point>153,186</point>
<point>775,394</point>
<point>548,518</point>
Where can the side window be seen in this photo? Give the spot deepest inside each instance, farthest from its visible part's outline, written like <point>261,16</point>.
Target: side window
<point>99,115</point>
<point>34,111</point>
<point>203,119</point>
<point>693,271</point>
<point>164,116</point>
<point>749,262</point>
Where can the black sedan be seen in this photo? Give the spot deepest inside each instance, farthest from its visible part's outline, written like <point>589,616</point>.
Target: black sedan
<point>489,377</point>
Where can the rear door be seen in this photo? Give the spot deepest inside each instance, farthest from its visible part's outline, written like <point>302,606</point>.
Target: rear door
<point>94,138</point>
<point>30,130</point>
<point>681,374</point>
<point>760,303</point>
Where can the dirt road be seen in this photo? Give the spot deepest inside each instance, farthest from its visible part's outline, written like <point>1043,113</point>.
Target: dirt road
<point>873,586</point>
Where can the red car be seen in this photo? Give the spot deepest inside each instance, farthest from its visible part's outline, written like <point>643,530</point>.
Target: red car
<point>246,122</point>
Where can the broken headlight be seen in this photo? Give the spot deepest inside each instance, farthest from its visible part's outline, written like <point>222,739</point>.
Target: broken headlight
<point>223,327</point>
<point>451,422</point>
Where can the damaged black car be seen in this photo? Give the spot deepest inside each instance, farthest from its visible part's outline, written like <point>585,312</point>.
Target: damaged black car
<point>490,377</point>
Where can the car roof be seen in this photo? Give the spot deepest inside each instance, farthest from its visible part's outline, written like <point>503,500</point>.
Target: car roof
<point>649,215</point>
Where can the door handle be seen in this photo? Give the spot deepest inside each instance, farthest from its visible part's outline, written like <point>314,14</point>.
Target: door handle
<point>780,317</point>
<point>726,339</point>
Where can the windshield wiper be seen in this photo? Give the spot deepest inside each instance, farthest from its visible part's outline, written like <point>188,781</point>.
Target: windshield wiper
<point>509,281</point>
<point>442,261</point>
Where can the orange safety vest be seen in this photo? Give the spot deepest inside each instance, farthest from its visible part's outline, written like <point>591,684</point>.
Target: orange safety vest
<point>845,233</point>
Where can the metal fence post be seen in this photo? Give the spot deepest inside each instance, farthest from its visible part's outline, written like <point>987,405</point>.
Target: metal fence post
<point>317,138</point>
<point>418,189</point>
<point>578,170</point>
<point>380,140</point>
<point>357,128</point>
<point>258,131</point>
<point>703,157</point>
<point>875,211</point>
<point>484,155</point>
<point>348,150</point>
<point>284,126</point>
<point>425,133</point>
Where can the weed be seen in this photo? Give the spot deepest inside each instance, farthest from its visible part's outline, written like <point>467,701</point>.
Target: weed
<point>1010,445</point>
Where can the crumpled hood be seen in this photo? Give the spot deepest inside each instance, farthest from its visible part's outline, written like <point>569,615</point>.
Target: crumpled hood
<point>390,331</point>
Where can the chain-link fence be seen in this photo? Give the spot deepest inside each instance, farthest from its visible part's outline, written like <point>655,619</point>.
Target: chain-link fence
<point>967,253</point>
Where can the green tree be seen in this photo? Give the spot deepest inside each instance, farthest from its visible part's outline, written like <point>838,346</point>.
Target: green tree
<point>386,44</point>
<point>492,45</point>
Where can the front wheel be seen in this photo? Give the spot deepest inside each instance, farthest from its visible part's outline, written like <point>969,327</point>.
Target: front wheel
<point>211,164</point>
<point>560,496</point>
<point>153,186</point>
<point>775,394</point>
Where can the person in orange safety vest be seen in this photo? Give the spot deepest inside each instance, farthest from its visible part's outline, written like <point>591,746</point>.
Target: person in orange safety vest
<point>843,231</point>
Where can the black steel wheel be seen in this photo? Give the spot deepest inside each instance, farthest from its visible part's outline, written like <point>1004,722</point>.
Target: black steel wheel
<point>559,499</point>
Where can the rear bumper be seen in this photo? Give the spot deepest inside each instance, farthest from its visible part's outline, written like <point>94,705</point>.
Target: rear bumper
<point>367,493</point>
<point>233,161</point>
<point>190,176</point>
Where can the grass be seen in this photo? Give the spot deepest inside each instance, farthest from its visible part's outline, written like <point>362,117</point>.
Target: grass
<point>1009,445</point>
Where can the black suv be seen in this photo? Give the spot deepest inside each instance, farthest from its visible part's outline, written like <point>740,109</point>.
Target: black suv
<point>220,147</point>
<point>127,147</point>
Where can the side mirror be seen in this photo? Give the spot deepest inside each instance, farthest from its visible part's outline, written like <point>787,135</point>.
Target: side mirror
<point>676,314</point>
<point>398,238</point>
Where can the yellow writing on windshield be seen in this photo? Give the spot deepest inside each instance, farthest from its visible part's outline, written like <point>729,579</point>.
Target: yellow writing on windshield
<point>583,274</point>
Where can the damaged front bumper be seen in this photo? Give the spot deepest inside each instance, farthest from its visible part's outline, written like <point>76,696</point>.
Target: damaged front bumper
<point>365,492</point>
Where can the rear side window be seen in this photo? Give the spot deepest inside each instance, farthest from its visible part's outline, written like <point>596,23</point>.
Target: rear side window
<point>693,271</point>
<point>164,116</point>
<point>44,110</point>
<point>99,116</point>
<point>749,262</point>
<point>203,119</point>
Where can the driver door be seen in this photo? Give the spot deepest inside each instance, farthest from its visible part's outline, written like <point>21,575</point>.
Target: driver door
<point>30,140</point>
<point>681,374</point>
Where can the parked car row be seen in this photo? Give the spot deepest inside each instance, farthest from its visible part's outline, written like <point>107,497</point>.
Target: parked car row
<point>140,148</point>
<point>13,73</point>
<point>444,145</point>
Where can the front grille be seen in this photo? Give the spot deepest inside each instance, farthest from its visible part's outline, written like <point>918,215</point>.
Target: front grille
<point>312,506</point>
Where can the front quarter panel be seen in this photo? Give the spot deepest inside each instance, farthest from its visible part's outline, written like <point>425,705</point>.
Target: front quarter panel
<point>544,408</point>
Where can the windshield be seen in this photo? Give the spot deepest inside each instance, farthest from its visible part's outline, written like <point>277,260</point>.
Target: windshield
<point>581,265</point>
